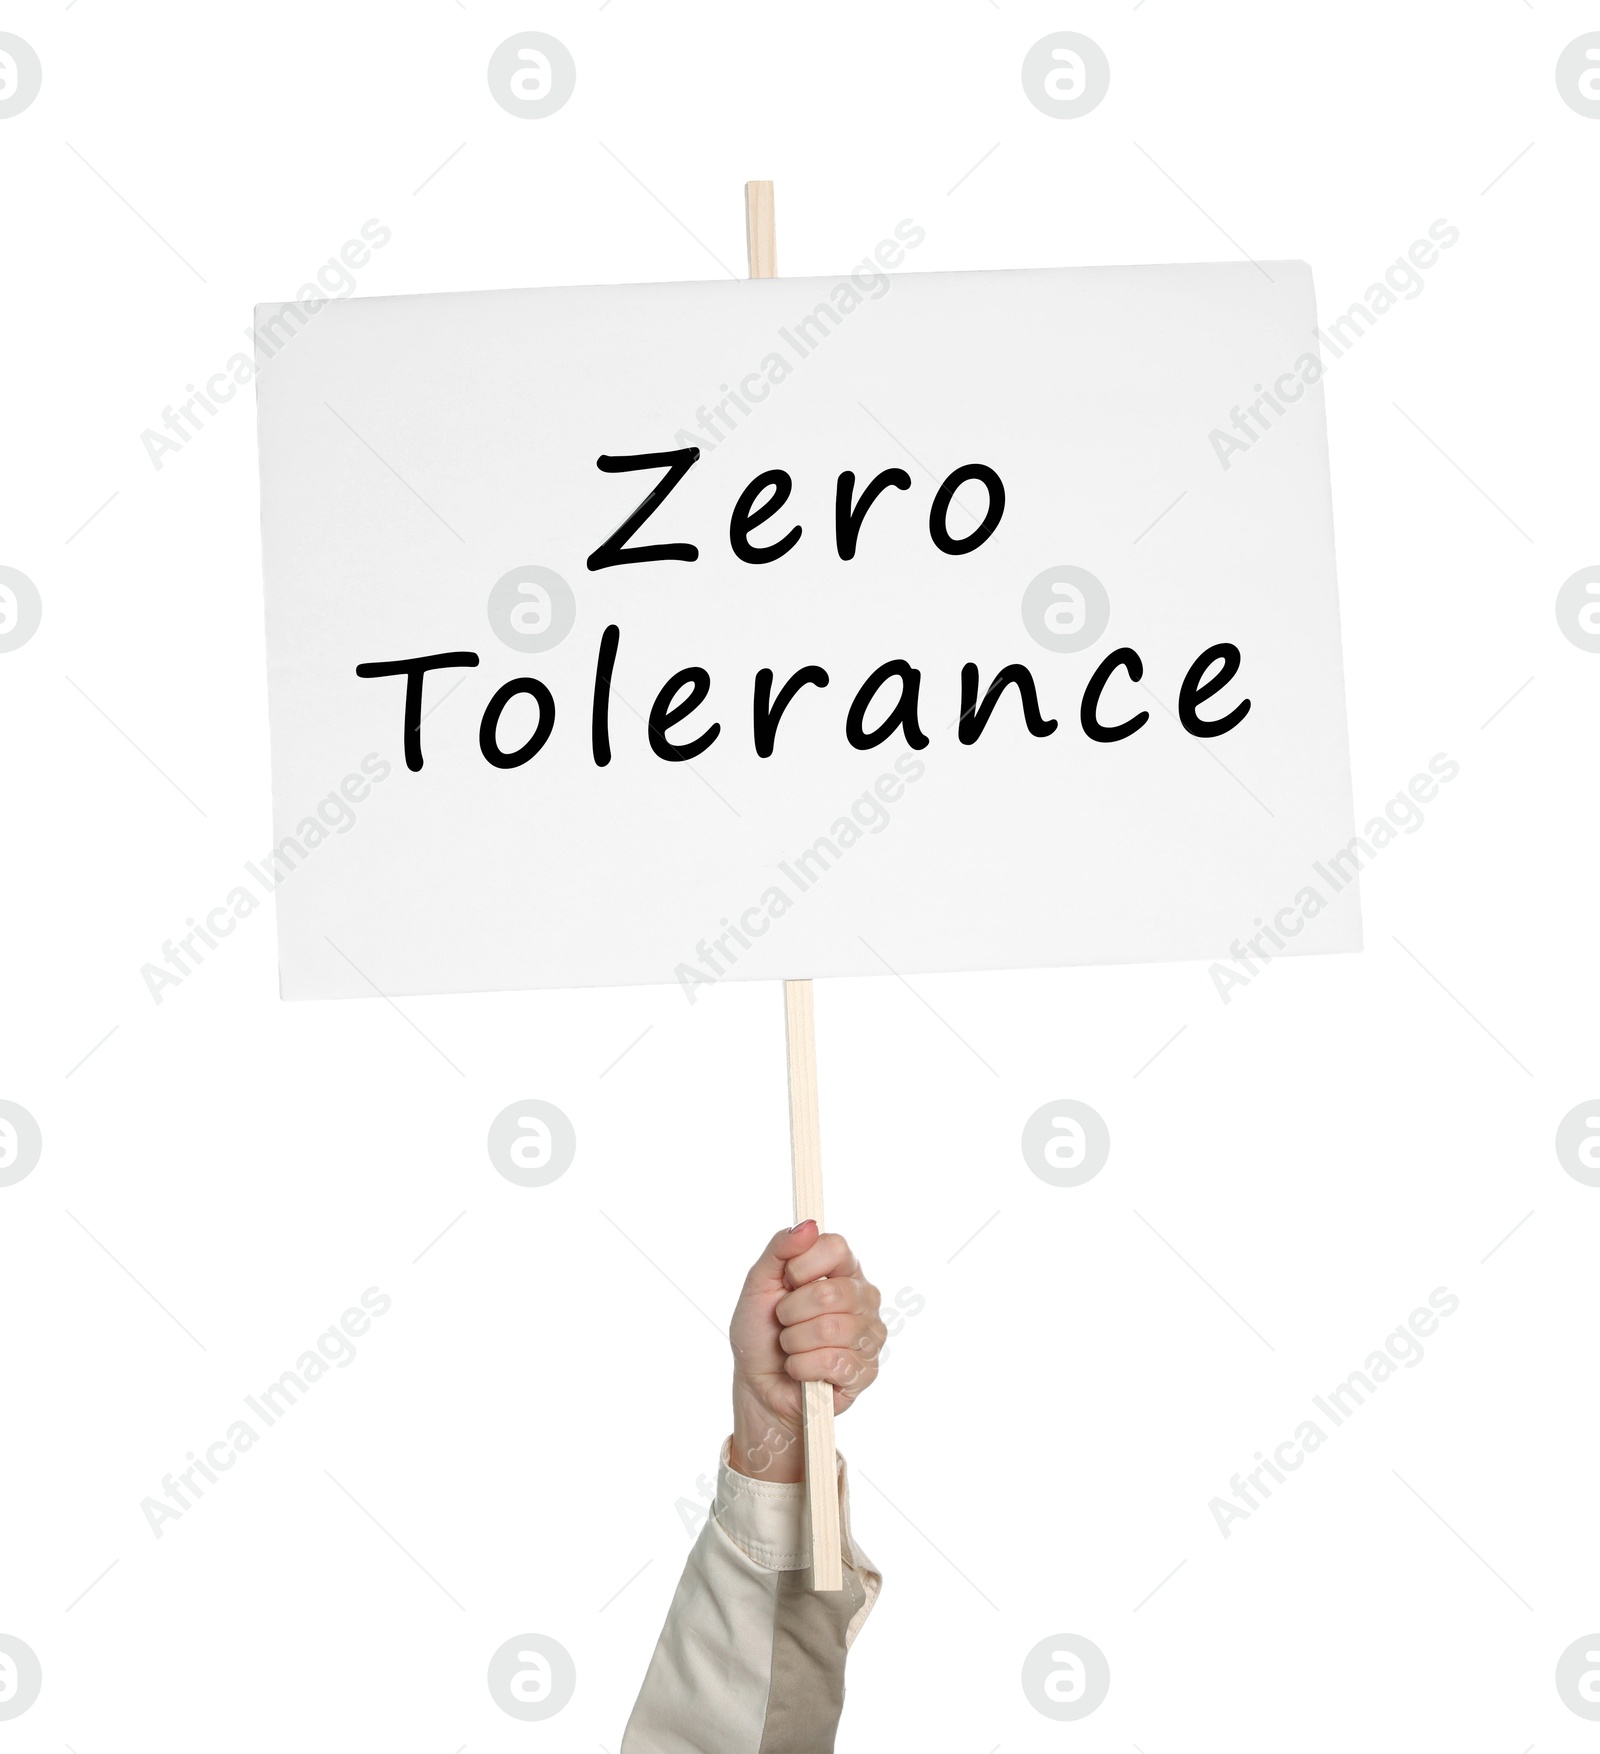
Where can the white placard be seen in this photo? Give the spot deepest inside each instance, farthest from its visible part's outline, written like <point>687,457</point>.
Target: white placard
<point>430,486</point>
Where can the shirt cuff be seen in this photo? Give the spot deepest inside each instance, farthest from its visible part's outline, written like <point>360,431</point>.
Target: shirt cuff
<point>765,1519</point>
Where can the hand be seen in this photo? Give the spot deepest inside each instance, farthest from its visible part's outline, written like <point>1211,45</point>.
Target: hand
<point>806,1314</point>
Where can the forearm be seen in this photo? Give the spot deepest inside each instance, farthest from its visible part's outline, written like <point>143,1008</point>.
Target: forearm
<point>751,1657</point>
<point>761,1447</point>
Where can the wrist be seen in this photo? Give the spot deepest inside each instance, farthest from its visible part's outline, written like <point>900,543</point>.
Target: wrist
<point>763,1446</point>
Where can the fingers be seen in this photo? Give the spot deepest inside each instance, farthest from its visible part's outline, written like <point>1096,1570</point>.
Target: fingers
<point>849,1372</point>
<point>829,1256</point>
<point>858,1331</point>
<point>830,1331</point>
<point>849,1295</point>
<point>828,1327</point>
<point>768,1273</point>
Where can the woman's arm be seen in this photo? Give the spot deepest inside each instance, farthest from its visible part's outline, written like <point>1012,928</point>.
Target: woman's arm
<point>751,1659</point>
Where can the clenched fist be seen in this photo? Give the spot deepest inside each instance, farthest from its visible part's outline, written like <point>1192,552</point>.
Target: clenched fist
<point>806,1314</point>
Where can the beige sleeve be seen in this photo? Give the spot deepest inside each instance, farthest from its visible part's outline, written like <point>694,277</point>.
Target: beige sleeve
<point>751,1659</point>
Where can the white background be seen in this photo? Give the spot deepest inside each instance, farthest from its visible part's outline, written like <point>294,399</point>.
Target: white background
<point>1345,1135</point>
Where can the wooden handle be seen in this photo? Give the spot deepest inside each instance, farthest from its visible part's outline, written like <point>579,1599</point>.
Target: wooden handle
<point>761,231</point>
<point>822,1466</point>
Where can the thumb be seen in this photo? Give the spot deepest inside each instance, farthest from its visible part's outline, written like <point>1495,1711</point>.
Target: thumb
<point>767,1273</point>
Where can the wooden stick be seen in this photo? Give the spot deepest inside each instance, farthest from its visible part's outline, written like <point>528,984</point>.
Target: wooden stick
<point>822,1467</point>
<point>761,231</point>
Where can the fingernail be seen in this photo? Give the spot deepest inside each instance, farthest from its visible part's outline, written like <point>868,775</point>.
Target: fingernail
<point>801,1225</point>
